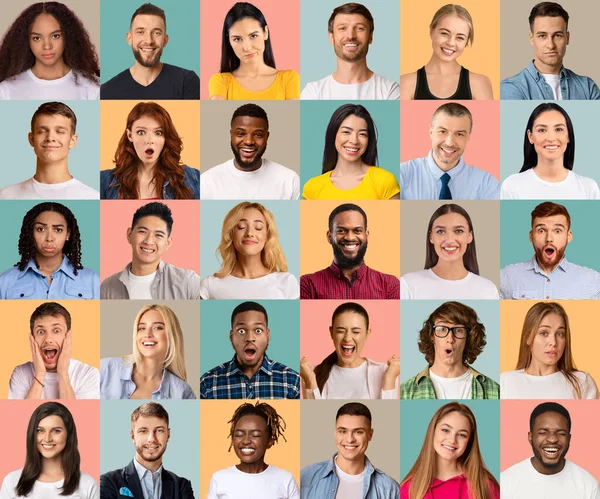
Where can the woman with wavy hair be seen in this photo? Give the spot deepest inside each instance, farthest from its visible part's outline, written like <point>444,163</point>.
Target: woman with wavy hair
<point>451,269</point>
<point>345,373</point>
<point>50,265</point>
<point>47,54</point>
<point>548,160</point>
<point>156,368</point>
<point>451,30</point>
<point>350,160</point>
<point>52,461</point>
<point>450,462</point>
<point>148,160</point>
<point>253,265</point>
<point>545,367</point>
<point>248,69</point>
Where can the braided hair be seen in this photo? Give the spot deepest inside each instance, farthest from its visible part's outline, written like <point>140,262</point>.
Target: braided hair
<point>72,247</point>
<point>275,423</point>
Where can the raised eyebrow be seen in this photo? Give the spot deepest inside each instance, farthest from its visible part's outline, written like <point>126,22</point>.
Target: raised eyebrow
<point>239,324</point>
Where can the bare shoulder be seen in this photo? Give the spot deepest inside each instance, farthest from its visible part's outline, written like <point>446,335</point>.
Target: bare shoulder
<point>408,83</point>
<point>481,86</point>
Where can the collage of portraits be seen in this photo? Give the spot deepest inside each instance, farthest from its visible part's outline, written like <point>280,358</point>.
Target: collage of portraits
<point>240,257</point>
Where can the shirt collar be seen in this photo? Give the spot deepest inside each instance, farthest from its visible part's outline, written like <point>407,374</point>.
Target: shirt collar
<point>124,277</point>
<point>535,266</point>
<point>437,482</point>
<point>437,172</point>
<point>141,471</point>
<point>65,267</point>
<point>537,75</point>
<point>329,467</point>
<point>266,366</point>
<point>425,374</point>
<point>126,374</point>
<point>357,274</point>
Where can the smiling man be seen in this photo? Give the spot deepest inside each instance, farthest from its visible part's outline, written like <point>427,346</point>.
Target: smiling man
<point>548,474</point>
<point>52,373</point>
<point>147,276</point>
<point>548,275</point>
<point>144,477</point>
<point>349,474</point>
<point>350,30</point>
<point>149,78</point>
<point>52,136</point>
<point>248,175</point>
<point>443,173</point>
<point>250,374</point>
<point>451,339</point>
<point>546,77</point>
<point>348,277</point>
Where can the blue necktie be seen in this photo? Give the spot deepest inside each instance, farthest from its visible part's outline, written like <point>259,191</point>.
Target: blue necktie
<point>445,191</point>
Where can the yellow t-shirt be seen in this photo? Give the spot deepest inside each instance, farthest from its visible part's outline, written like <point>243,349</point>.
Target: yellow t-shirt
<point>376,184</point>
<point>285,86</point>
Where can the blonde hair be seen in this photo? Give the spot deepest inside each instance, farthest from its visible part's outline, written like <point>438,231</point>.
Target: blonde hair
<point>421,475</point>
<point>453,9</point>
<point>174,358</point>
<point>532,322</point>
<point>272,256</point>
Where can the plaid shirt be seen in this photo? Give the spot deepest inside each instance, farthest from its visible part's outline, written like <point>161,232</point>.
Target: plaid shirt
<point>421,388</point>
<point>272,381</point>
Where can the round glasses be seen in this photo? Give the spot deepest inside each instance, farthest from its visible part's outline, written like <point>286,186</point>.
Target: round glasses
<point>459,332</point>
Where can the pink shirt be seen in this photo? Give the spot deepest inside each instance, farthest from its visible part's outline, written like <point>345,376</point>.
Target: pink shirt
<point>453,488</point>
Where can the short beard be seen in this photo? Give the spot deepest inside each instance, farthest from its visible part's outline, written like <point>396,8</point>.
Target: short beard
<point>342,261</point>
<point>559,255</point>
<point>244,165</point>
<point>551,466</point>
<point>155,60</point>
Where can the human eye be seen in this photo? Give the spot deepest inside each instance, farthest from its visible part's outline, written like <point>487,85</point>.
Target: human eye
<point>39,229</point>
<point>236,39</point>
<point>140,132</point>
<point>160,430</point>
<point>445,430</point>
<point>253,36</point>
<point>460,231</point>
<point>560,129</point>
<point>560,334</point>
<point>56,36</point>
<point>259,330</point>
<point>59,230</point>
<point>36,38</point>
<point>241,331</point>
<point>439,231</point>
<point>241,226</point>
<point>57,430</point>
<point>541,35</point>
<point>159,133</point>
<point>364,134</point>
<point>544,333</point>
<point>463,435</point>
<point>39,332</point>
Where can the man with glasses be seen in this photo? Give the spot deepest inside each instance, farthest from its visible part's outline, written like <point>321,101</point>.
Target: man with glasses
<point>451,339</point>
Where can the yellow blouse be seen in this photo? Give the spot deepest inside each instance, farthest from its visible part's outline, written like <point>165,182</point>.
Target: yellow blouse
<point>285,86</point>
<point>377,183</point>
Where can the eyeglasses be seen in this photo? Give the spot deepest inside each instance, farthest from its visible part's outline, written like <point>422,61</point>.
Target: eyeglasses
<point>459,332</point>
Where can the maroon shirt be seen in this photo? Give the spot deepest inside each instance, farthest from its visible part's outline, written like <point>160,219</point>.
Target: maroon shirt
<point>332,284</point>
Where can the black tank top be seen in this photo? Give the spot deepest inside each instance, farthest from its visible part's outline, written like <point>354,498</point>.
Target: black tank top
<point>463,91</point>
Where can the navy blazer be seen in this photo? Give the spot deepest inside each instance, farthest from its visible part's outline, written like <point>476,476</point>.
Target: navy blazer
<point>173,487</point>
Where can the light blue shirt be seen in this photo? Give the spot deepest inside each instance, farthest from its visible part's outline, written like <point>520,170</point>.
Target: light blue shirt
<point>151,482</point>
<point>32,284</point>
<point>421,179</point>
<point>116,382</point>
<point>527,281</point>
<point>529,84</point>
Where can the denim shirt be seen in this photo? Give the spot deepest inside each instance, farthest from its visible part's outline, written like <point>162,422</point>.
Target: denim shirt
<point>529,84</point>
<point>319,481</point>
<point>109,186</point>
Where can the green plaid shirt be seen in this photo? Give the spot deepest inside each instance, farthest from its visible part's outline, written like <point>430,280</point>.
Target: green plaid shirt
<point>421,388</point>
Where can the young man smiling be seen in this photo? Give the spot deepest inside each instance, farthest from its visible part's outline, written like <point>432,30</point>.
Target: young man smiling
<point>548,275</point>
<point>147,276</point>
<point>52,373</point>
<point>248,175</point>
<point>250,374</point>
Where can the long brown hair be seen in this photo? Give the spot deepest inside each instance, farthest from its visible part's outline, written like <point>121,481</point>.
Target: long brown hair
<point>533,319</point>
<point>421,475</point>
<point>169,167</point>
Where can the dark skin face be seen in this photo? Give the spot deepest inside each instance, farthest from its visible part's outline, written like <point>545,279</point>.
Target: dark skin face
<point>249,137</point>
<point>250,441</point>
<point>348,239</point>
<point>550,440</point>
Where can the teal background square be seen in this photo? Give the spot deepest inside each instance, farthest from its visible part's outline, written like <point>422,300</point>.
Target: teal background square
<point>414,312</point>
<point>287,218</point>
<point>416,414</point>
<point>87,214</point>
<point>19,159</point>
<point>215,324</point>
<point>514,116</point>
<point>183,28</point>
<point>317,58</point>
<point>182,456</point>
<point>515,224</point>
<point>314,118</point>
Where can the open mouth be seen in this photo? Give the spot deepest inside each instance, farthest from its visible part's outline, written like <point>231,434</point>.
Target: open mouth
<point>352,151</point>
<point>351,45</point>
<point>449,447</point>
<point>450,250</point>
<point>147,250</point>
<point>449,351</point>
<point>247,152</point>
<point>350,246</point>
<point>149,152</point>
<point>551,452</point>
<point>149,344</point>
<point>247,451</point>
<point>448,51</point>
<point>549,251</point>
<point>551,148</point>
<point>448,151</point>
<point>50,353</point>
<point>250,352</point>
<point>348,350</point>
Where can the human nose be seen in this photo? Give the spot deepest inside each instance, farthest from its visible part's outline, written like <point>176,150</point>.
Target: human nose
<point>49,235</point>
<point>151,436</point>
<point>47,43</point>
<point>552,339</point>
<point>246,45</point>
<point>450,338</point>
<point>249,139</point>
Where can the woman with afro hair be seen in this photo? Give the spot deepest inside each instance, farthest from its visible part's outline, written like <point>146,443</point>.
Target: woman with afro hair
<point>50,265</point>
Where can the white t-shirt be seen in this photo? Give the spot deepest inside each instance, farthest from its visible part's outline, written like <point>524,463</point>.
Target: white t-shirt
<point>348,382</point>
<point>426,285</point>
<point>26,86</point>
<point>278,285</point>
<point>350,486</point>
<point>520,385</point>
<point>88,488</point>
<point>85,381</point>
<point>528,185</point>
<point>375,88</point>
<point>270,181</point>
<point>452,388</point>
<point>32,189</point>
<point>138,287</point>
<point>273,483</point>
<point>522,481</point>
<point>554,82</point>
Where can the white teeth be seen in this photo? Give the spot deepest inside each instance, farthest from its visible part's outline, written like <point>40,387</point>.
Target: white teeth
<point>350,447</point>
<point>448,51</point>
<point>348,349</point>
<point>246,451</point>
<point>149,343</point>
<point>351,149</point>
<point>449,448</point>
<point>147,250</point>
<point>351,45</point>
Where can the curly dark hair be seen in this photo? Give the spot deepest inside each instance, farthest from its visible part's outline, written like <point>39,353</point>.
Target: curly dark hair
<point>72,247</point>
<point>275,423</point>
<point>79,53</point>
<point>457,313</point>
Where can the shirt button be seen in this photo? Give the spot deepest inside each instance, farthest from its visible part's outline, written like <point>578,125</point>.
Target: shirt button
<point>547,280</point>
<point>22,295</point>
<point>547,297</point>
<point>80,295</point>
